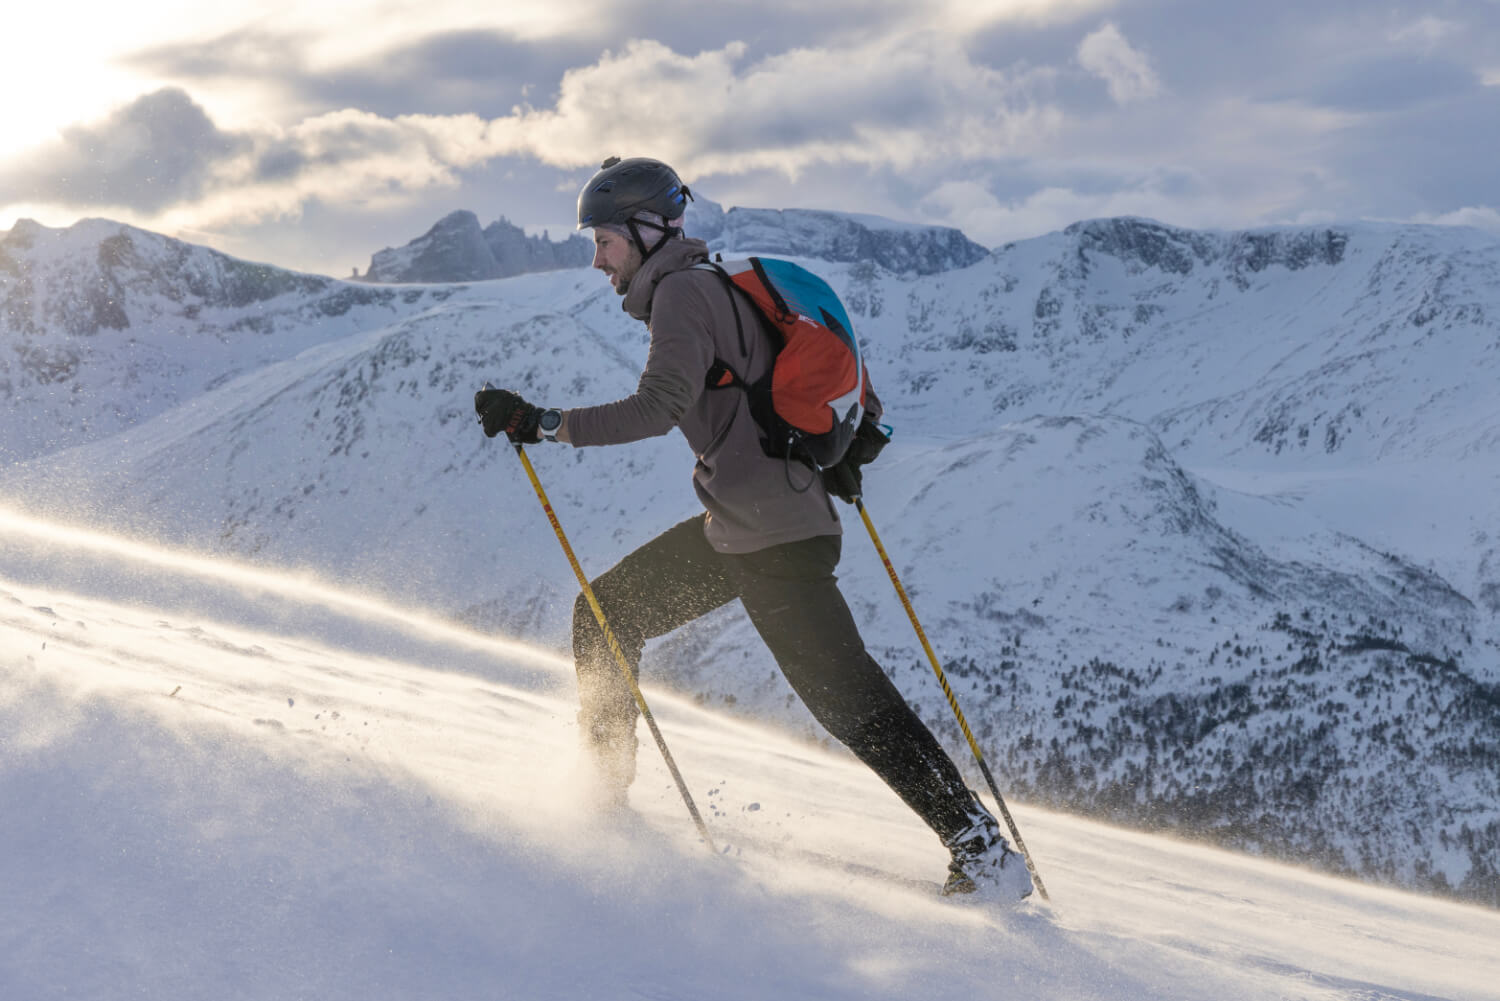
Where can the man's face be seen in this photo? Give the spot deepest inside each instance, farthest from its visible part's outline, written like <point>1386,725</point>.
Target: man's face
<point>617,256</point>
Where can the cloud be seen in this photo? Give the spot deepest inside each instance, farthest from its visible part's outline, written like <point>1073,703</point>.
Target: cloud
<point>1225,163</point>
<point>158,150</point>
<point>464,59</point>
<point>478,71</point>
<point>348,158</point>
<point>243,53</point>
<point>1425,32</point>
<point>1478,216</point>
<point>891,103</point>
<point>1125,70</point>
<point>1042,114</point>
<point>1388,81</point>
<point>972,207</point>
<point>162,156</point>
<point>966,16</point>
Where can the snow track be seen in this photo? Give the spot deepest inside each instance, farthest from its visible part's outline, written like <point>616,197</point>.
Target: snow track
<point>217,786</point>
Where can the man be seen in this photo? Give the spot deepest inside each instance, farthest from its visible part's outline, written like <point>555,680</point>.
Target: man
<point>769,537</point>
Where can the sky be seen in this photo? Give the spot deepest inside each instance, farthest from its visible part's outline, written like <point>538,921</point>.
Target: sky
<point>312,135</point>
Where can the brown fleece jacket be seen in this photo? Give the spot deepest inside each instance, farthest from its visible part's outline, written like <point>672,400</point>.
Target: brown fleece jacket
<point>753,501</point>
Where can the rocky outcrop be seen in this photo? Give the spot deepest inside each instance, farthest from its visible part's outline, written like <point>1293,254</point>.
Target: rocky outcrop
<point>456,249</point>
<point>901,248</point>
<point>519,254</point>
<point>1143,244</point>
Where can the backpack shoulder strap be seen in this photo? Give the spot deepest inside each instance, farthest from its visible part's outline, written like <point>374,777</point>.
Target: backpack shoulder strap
<point>720,375</point>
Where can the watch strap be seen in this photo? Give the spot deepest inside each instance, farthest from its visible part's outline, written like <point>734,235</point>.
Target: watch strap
<point>549,423</point>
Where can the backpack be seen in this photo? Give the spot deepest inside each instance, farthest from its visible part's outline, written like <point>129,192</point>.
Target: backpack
<point>810,403</point>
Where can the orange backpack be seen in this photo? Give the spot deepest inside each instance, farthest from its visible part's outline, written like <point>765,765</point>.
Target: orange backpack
<point>811,401</point>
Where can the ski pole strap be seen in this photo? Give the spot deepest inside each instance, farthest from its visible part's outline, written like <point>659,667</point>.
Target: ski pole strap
<point>616,649</point>
<point>937,669</point>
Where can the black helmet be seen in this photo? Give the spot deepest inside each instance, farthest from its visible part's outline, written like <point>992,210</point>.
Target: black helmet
<point>622,188</point>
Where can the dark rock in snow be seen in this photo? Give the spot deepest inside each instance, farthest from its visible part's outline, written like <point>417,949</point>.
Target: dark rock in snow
<point>902,248</point>
<point>456,249</point>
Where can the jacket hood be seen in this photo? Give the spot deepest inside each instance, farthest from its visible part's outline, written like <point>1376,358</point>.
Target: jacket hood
<point>675,255</point>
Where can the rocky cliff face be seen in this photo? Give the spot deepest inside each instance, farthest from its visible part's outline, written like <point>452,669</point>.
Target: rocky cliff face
<point>456,249</point>
<point>1143,245</point>
<point>900,248</point>
<point>518,254</point>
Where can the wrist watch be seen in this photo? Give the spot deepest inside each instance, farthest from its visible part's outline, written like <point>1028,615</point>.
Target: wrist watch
<point>548,423</point>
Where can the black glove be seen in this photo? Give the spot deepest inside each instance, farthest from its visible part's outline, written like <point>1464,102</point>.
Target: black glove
<point>501,410</point>
<point>844,479</point>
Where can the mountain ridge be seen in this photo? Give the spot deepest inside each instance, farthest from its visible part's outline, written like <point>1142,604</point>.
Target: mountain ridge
<point>456,249</point>
<point>900,248</point>
<point>1164,591</point>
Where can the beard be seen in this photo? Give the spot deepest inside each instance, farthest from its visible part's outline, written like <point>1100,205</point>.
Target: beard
<point>620,278</point>
<point>621,268</point>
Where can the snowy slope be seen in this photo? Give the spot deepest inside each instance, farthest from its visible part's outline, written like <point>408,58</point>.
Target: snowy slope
<point>103,326</point>
<point>362,802</point>
<point>1152,606</point>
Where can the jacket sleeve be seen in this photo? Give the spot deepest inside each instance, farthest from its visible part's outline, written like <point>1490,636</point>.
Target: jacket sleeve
<point>677,362</point>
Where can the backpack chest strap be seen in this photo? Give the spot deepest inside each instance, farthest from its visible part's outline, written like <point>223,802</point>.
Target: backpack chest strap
<point>721,376</point>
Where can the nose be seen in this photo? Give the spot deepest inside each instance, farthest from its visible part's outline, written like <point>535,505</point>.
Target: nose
<point>599,257</point>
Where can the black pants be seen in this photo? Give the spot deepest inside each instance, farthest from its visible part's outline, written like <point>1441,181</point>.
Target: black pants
<point>792,597</point>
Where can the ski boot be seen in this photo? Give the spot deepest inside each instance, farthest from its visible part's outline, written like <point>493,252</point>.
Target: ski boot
<point>984,864</point>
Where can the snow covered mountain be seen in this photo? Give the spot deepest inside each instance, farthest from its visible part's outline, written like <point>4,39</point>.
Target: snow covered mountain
<point>1166,500</point>
<point>104,326</point>
<point>456,249</point>
<point>901,248</point>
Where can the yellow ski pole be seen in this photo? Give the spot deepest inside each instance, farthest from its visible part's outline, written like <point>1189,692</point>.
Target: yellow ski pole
<point>614,646</point>
<point>952,699</point>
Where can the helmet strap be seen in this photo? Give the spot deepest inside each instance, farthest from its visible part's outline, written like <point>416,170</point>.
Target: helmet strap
<point>667,232</point>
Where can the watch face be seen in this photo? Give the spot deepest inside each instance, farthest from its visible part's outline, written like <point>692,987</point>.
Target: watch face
<point>550,420</point>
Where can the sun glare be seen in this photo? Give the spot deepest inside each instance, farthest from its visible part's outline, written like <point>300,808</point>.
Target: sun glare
<point>255,578</point>
<point>70,61</point>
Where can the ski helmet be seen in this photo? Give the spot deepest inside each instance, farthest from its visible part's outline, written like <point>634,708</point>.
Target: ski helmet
<point>623,188</point>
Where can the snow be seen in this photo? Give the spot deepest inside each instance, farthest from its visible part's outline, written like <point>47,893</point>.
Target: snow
<point>877,222</point>
<point>1108,477</point>
<point>364,802</point>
